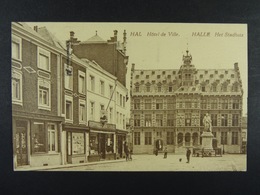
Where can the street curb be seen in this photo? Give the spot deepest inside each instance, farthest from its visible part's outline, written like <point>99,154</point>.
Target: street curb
<point>68,165</point>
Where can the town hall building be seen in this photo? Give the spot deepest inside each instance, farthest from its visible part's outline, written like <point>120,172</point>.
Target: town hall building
<point>168,106</point>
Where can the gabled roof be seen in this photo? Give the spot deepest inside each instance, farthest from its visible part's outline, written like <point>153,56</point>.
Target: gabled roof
<point>48,36</point>
<point>94,39</point>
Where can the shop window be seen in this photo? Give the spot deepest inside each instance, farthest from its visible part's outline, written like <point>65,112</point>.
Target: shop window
<point>38,137</point>
<point>52,138</point>
<point>170,138</point>
<point>137,138</point>
<point>17,88</point>
<point>110,143</point>
<point>78,143</point>
<point>43,59</point>
<point>93,144</point>
<point>16,48</point>
<point>223,138</point>
<point>81,82</point>
<point>92,83</point>
<point>234,138</point>
<point>68,78</point>
<point>148,138</point>
<point>44,94</point>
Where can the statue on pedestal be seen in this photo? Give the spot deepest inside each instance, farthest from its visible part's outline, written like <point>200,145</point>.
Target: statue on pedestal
<point>207,123</point>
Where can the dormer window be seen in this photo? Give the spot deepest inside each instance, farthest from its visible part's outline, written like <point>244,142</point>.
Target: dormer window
<point>163,72</point>
<point>142,72</point>
<point>153,72</point>
<point>216,72</point>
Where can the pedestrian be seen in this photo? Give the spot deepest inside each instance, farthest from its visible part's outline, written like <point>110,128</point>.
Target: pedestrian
<point>188,155</point>
<point>165,152</point>
<point>126,150</point>
<point>156,152</point>
<point>130,153</point>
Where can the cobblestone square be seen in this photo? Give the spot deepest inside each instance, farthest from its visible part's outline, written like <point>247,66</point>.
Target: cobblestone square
<point>228,162</point>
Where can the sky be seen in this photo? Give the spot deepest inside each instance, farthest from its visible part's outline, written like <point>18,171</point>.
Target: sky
<point>161,45</point>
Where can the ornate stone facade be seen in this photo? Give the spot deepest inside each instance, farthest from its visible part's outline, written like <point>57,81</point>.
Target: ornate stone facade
<point>169,105</point>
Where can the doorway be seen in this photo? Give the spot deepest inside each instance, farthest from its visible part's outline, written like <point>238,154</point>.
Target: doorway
<point>21,146</point>
<point>102,145</point>
<point>159,145</point>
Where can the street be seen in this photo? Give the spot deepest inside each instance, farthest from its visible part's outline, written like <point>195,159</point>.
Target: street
<point>145,162</point>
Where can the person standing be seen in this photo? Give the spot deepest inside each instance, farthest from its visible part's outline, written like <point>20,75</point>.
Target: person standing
<point>188,155</point>
<point>165,152</point>
<point>126,151</point>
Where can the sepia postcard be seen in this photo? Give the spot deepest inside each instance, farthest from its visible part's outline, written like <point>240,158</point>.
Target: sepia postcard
<point>129,96</point>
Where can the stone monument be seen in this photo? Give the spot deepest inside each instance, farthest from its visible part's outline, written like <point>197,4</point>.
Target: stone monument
<point>207,136</point>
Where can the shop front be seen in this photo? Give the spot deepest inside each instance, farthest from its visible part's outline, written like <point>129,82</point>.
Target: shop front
<point>101,142</point>
<point>36,141</point>
<point>76,144</point>
<point>121,139</point>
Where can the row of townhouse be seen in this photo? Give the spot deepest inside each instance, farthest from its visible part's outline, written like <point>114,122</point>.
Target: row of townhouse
<point>58,101</point>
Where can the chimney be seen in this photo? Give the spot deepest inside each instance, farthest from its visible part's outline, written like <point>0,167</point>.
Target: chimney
<point>236,66</point>
<point>133,67</point>
<point>115,35</point>
<point>71,34</point>
<point>35,28</point>
<point>124,38</point>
